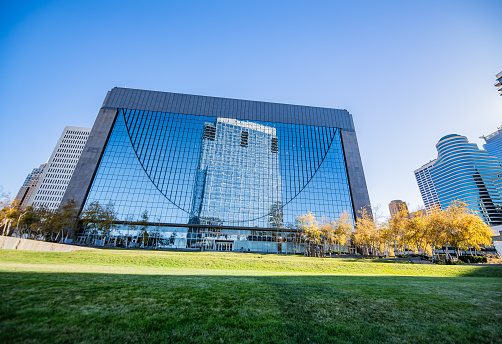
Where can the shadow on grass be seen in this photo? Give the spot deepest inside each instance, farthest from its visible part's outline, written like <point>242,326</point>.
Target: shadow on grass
<point>483,271</point>
<point>104,308</point>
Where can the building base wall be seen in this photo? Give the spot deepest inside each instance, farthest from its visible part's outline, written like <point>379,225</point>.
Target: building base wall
<point>10,243</point>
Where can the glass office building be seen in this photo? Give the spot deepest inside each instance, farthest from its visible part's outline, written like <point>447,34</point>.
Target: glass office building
<point>493,144</point>
<point>218,173</point>
<point>465,173</point>
<point>426,186</point>
<point>239,171</point>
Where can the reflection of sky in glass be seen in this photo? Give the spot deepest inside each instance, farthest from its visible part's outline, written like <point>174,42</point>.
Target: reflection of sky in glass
<point>239,170</point>
<point>151,162</point>
<point>474,175</point>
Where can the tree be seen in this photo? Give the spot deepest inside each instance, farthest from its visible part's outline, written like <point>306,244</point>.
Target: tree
<point>91,217</point>
<point>309,230</point>
<point>397,227</point>
<point>470,230</point>
<point>109,219</point>
<point>309,227</point>
<point>418,232</point>
<point>143,228</point>
<point>338,231</point>
<point>67,219</point>
<point>11,212</point>
<point>343,228</point>
<point>328,229</point>
<point>45,224</point>
<point>27,224</point>
<point>131,228</point>
<point>98,220</point>
<point>367,234</point>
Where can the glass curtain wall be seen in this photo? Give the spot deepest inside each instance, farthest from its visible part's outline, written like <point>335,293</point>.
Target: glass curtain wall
<point>219,183</point>
<point>465,173</point>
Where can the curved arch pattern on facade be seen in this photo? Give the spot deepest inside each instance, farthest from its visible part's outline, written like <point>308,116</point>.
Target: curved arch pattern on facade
<point>183,155</point>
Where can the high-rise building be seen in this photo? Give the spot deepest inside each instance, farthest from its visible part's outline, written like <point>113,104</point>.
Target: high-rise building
<point>498,83</point>
<point>28,187</point>
<point>493,144</point>
<point>396,206</point>
<point>220,173</point>
<point>57,173</point>
<point>426,186</point>
<point>463,172</point>
<point>238,160</point>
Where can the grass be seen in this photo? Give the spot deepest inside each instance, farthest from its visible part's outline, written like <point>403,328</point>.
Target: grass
<point>124,296</point>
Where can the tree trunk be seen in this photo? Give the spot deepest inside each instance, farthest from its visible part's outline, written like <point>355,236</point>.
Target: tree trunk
<point>8,228</point>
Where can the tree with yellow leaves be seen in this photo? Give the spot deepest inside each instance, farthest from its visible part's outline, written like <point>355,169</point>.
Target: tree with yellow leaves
<point>397,232</point>
<point>456,226</point>
<point>9,216</point>
<point>309,229</point>
<point>343,228</point>
<point>417,233</point>
<point>367,233</point>
<point>328,231</point>
<point>470,230</point>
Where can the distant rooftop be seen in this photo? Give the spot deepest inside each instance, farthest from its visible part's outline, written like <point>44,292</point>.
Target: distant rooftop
<point>448,136</point>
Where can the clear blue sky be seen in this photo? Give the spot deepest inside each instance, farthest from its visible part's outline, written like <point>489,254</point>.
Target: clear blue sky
<point>410,72</point>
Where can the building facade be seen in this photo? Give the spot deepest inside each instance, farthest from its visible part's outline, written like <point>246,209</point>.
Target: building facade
<point>238,169</point>
<point>58,170</point>
<point>396,206</point>
<point>463,172</point>
<point>426,186</point>
<point>498,83</point>
<point>493,144</point>
<point>28,186</point>
<point>218,173</point>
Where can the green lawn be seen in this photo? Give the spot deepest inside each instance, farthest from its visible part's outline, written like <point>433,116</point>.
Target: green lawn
<point>123,296</point>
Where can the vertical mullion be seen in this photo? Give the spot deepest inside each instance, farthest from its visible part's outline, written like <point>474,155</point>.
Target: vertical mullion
<point>137,118</point>
<point>152,142</point>
<point>144,136</point>
<point>139,131</point>
<point>168,140</point>
<point>163,137</point>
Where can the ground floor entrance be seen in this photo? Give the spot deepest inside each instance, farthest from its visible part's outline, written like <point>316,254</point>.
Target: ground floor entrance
<point>223,245</point>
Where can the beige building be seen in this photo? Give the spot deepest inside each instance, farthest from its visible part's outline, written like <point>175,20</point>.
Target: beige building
<point>25,192</point>
<point>59,168</point>
<point>396,206</point>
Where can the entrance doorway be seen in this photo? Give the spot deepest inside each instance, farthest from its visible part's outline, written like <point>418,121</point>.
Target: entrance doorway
<point>224,245</point>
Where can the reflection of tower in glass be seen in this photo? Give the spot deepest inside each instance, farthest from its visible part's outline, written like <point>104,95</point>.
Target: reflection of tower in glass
<point>238,178</point>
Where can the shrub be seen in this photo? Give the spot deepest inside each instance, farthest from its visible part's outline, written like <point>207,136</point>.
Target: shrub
<point>473,259</point>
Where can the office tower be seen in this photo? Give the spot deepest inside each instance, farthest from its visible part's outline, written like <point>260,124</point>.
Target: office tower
<point>493,144</point>
<point>28,187</point>
<point>397,206</point>
<point>498,83</point>
<point>59,168</point>
<point>463,172</point>
<point>220,173</point>
<point>426,186</point>
<point>239,161</point>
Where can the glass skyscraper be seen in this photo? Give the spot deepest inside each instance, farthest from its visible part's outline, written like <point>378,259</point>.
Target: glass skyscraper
<point>219,173</point>
<point>239,170</point>
<point>493,144</point>
<point>463,172</point>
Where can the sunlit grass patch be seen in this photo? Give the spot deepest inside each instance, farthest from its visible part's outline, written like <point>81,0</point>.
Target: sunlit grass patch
<point>150,297</point>
<point>237,263</point>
